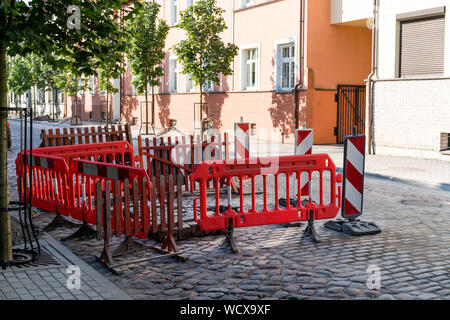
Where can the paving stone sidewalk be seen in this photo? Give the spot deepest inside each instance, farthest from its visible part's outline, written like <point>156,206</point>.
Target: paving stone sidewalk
<point>49,281</point>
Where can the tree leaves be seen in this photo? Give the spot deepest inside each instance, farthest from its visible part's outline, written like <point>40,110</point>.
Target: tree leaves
<point>203,54</point>
<point>146,47</point>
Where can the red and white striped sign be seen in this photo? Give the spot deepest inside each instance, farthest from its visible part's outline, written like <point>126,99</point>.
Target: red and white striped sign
<point>242,140</point>
<point>353,184</point>
<point>303,145</point>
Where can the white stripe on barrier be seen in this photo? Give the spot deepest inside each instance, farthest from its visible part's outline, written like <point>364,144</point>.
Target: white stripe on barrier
<point>353,196</point>
<point>355,157</point>
<point>55,184</point>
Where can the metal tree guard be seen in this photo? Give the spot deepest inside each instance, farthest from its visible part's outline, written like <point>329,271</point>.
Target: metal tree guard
<point>31,247</point>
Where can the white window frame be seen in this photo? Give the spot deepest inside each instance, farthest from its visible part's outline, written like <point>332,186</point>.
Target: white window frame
<point>279,44</point>
<point>189,3</point>
<point>173,81</point>
<point>246,3</point>
<point>243,63</point>
<point>174,12</point>
<point>133,89</point>
<point>92,85</point>
<point>187,80</point>
<point>163,77</point>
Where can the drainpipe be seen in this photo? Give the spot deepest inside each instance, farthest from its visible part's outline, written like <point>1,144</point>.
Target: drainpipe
<point>302,61</point>
<point>370,79</point>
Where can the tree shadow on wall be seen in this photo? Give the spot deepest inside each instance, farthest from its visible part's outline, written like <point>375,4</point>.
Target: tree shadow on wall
<point>215,102</point>
<point>163,101</point>
<point>282,110</point>
<point>132,105</point>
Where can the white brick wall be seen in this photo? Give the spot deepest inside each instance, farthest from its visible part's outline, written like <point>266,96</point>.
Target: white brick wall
<point>411,113</point>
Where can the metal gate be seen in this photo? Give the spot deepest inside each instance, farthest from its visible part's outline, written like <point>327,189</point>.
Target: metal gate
<point>351,110</point>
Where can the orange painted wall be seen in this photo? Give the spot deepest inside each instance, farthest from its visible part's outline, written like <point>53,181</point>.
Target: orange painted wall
<point>335,55</point>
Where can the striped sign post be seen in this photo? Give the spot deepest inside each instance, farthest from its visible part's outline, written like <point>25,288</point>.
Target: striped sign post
<point>303,146</point>
<point>353,184</point>
<point>242,140</point>
<point>353,190</point>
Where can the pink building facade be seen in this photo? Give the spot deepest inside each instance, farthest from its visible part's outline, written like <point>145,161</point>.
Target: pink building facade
<point>284,46</point>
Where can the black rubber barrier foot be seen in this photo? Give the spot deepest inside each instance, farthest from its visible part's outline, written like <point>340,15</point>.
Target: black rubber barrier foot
<point>282,202</point>
<point>223,209</point>
<point>229,240</point>
<point>310,230</point>
<point>129,245</point>
<point>353,228</point>
<point>59,222</point>
<point>84,232</point>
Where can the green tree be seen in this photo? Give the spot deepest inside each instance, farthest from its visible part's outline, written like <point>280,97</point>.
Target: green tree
<point>70,84</point>
<point>147,42</point>
<point>65,34</point>
<point>44,76</point>
<point>20,77</point>
<point>110,67</point>
<point>203,53</point>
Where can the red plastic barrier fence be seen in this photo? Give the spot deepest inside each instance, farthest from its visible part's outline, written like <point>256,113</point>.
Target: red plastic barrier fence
<point>123,182</point>
<point>51,185</point>
<point>317,164</point>
<point>50,190</point>
<point>120,152</point>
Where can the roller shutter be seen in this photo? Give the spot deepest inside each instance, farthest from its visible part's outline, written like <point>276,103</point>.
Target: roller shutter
<point>422,47</point>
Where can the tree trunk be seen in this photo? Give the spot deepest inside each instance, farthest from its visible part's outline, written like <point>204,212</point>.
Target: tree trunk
<point>76,103</point>
<point>201,111</point>
<point>153,108</point>
<point>107,107</point>
<point>34,101</point>
<point>146,110</point>
<point>5,219</point>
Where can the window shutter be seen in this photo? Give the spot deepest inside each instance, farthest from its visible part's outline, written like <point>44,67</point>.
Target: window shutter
<point>422,47</point>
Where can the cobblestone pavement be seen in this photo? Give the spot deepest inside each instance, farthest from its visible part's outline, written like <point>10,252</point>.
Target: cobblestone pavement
<point>274,262</point>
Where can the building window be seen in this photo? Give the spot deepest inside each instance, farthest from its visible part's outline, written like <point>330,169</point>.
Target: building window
<point>285,57</point>
<point>173,12</point>
<point>173,75</point>
<point>250,68</point>
<point>208,86</point>
<point>421,45</point>
<point>189,83</point>
<point>92,85</point>
<point>246,3</point>
<point>133,89</point>
<point>163,77</point>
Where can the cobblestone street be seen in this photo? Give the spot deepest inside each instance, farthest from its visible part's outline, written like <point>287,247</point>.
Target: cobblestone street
<point>276,262</point>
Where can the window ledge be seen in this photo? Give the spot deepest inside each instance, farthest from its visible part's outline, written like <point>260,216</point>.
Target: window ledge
<point>290,90</point>
<point>414,78</point>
